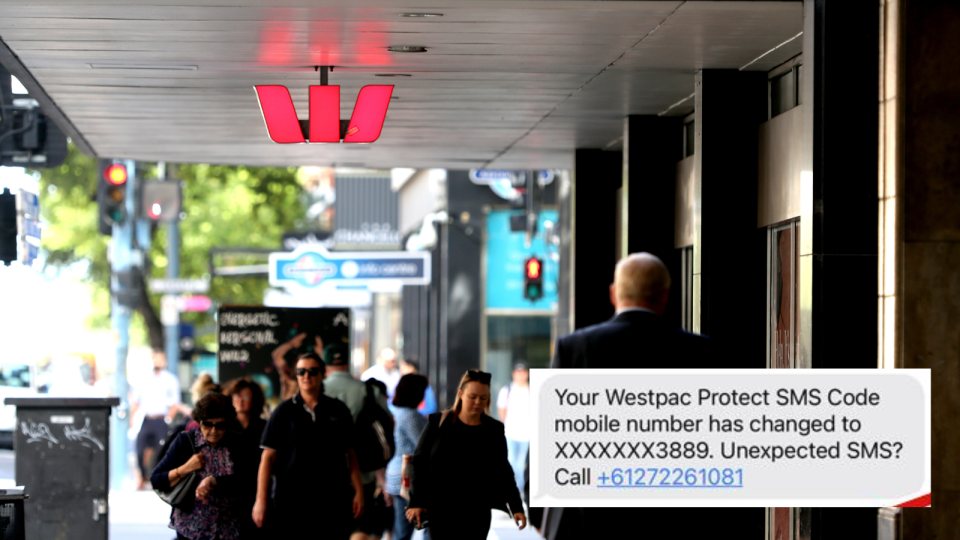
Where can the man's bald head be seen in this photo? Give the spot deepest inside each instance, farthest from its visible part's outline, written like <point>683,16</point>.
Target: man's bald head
<point>641,280</point>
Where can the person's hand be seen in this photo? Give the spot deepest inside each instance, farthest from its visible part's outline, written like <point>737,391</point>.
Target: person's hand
<point>414,515</point>
<point>357,504</point>
<point>195,463</point>
<point>259,512</point>
<point>387,499</point>
<point>520,520</point>
<point>318,345</point>
<point>206,487</point>
<point>298,339</point>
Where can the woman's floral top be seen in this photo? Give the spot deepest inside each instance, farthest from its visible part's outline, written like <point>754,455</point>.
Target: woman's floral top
<point>216,517</point>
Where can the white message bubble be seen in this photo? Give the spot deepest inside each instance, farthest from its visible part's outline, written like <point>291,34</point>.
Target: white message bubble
<point>760,438</point>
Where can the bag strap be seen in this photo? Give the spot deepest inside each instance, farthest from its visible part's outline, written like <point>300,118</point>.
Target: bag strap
<point>443,417</point>
<point>189,438</point>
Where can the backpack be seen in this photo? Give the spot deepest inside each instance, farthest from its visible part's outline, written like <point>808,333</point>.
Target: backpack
<point>374,444</point>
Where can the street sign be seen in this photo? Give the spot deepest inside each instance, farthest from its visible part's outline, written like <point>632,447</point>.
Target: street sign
<point>178,285</point>
<point>169,312</point>
<point>310,266</point>
<point>485,177</point>
<point>194,303</point>
<point>28,204</point>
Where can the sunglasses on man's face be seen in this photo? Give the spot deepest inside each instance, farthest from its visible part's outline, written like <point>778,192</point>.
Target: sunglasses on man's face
<point>219,426</point>
<point>313,372</point>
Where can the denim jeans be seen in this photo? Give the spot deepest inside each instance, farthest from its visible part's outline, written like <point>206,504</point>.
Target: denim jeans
<point>402,529</point>
<point>517,456</point>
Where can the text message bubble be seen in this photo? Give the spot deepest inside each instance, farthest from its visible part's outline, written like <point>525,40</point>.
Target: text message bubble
<point>789,438</point>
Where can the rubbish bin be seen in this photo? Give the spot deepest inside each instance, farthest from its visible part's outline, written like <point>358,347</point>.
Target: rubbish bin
<point>63,456</point>
<point>11,514</point>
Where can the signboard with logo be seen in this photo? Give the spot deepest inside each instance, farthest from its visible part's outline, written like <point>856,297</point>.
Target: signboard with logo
<point>506,255</point>
<point>309,267</point>
<point>248,335</point>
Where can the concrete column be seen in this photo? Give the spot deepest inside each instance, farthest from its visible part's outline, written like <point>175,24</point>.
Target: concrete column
<point>652,146</point>
<point>729,256</point>
<point>596,178</point>
<point>838,219</point>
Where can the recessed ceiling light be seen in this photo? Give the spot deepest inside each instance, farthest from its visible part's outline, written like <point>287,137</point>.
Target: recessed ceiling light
<point>392,75</point>
<point>421,15</point>
<point>142,66</point>
<point>407,48</point>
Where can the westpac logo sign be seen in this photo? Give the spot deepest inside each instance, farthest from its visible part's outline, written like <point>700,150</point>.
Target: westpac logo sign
<point>324,125</point>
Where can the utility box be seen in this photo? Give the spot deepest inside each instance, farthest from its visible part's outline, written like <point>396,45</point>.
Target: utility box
<point>62,448</point>
<point>11,514</point>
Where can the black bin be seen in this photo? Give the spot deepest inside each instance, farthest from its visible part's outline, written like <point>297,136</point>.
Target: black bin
<point>63,455</point>
<point>11,514</point>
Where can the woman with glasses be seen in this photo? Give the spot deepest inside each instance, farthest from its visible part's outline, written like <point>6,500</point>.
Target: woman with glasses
<point>248,400</point>
<point>221,462</point>
<point>463,443</point>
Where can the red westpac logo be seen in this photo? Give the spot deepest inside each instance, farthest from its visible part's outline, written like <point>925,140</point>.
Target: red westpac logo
<point>324,125</point>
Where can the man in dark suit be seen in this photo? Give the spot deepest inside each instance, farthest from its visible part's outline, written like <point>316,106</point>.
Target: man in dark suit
<point>637,336</point>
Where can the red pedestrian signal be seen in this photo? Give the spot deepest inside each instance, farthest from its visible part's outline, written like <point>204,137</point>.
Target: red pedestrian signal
<point>533,268</point>
<point>533,279</point>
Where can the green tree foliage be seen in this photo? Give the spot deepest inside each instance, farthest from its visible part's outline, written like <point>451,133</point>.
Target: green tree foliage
<point>225,206</point>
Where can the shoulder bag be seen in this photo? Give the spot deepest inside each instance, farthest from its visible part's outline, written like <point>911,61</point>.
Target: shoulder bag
<point>182,494</point>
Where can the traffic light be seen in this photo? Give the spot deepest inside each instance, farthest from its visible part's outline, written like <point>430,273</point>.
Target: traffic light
<point>533,279</point>
<point>161,201</point>
<point>8,227</point>
<point>27,137</point>
<point>111,194</point>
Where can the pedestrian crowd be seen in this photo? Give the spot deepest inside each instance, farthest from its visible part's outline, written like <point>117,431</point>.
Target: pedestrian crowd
<point>340,458</point>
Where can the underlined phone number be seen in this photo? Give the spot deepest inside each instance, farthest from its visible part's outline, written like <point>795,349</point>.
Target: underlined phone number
<point>666,477</point>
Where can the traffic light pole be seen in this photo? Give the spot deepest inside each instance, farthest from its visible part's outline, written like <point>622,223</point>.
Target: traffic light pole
<point>172,331</point>
<point>122,260</point>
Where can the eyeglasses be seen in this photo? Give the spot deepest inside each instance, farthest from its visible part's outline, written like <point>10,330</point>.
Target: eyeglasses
<point>219,426</point>
<point>313,372</point>
<point>241,397</point>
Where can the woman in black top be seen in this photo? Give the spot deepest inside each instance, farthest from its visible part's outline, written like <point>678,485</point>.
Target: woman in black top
<point>249,401</point>
<point>457,444</point>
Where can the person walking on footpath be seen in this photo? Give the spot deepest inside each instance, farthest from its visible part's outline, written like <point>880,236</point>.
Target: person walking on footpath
<point>408,426</point>
<point>385,371</point>
<point>429,404</point>
<point>460,468</point>
<point>308,448</point>
<point>340,384</point>
<point>248,400</point>
<point>513,405</point>
<point>158,397</point>
<point>223,463</point>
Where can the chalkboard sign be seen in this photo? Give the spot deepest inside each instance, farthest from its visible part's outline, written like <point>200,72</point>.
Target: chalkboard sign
<point>248,336</point>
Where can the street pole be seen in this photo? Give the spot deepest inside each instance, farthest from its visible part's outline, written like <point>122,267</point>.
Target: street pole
<point>122,260</point>
<point>171,326</point>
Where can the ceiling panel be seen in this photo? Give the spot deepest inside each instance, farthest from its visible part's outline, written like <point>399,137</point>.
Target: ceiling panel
<point>503,84</point>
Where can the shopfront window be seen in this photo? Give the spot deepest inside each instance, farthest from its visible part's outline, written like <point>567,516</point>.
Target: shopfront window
<point>515,338</point>
<point>782,264</point>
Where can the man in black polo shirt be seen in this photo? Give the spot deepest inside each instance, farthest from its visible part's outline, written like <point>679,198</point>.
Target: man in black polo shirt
<point>307,445</point>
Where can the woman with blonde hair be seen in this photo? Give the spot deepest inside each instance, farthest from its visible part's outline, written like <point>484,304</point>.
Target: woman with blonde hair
<point>463,443</point>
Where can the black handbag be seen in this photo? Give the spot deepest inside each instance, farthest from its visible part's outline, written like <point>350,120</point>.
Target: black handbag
<point>182,495</point>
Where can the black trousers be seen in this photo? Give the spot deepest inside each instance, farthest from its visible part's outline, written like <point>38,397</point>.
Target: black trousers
<point>152,431</point>
<point>459,523</point>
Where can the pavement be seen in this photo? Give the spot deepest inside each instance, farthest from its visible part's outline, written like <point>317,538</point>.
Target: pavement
<point>141,515</point>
